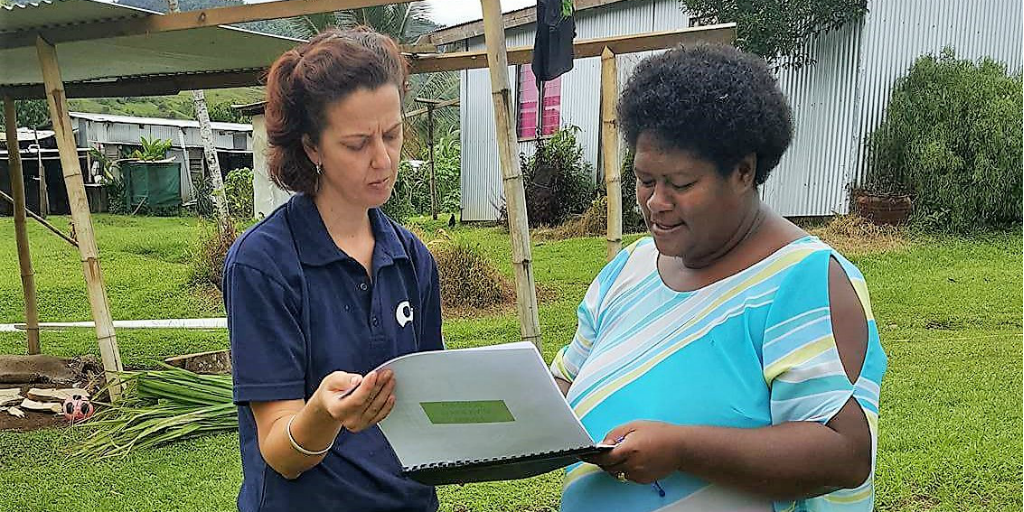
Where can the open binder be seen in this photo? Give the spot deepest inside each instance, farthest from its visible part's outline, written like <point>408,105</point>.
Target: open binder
<point>481,414</point>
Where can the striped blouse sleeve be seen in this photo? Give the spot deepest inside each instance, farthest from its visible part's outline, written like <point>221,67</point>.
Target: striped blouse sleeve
<point>800,360</point>
<point>570,358</point>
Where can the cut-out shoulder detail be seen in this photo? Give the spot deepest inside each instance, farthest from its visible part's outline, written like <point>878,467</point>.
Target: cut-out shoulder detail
<point>849,321</point>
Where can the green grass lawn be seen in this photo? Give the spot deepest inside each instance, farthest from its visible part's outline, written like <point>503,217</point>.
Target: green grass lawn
<point>949,311</point>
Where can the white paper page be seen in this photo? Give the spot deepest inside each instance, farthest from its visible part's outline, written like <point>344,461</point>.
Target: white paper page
<point>476,387</point>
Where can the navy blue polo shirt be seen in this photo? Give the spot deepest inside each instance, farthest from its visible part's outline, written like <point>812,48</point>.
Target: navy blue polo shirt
<point>298,309</point>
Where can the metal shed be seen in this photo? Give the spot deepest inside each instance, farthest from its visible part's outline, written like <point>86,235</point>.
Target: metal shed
<point>836,102</point>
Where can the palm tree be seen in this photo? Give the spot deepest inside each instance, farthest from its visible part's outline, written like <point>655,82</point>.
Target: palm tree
<point>405,23</point>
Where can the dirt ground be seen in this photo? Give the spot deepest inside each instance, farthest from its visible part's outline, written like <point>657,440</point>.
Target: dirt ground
<point>81,372</point>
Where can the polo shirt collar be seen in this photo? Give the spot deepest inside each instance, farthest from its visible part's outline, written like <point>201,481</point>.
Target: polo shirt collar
<point>314,243</point>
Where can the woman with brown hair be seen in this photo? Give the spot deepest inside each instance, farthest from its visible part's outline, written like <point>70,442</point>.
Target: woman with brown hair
<point>327,288</point>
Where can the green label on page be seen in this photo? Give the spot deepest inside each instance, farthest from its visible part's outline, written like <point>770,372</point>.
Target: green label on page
<point>477,411</point>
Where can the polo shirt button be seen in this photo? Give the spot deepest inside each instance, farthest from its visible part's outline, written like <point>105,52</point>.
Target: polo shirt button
<point>375,322</point>
<point>362,286</point>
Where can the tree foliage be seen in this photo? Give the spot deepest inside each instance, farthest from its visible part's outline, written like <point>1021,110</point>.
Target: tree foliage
<point>778,30</point>
<point>951,137</point>
<point>31,113</point>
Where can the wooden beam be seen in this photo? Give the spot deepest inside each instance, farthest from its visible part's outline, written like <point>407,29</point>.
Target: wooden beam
<point>80,216</point>
<point>173,84</point>
<point>421,111</point>
<point>511,19</point>
<point>584,48</point>
<point>162,85</point>
<point>508,152</point>
<point>28,280</point>
<point>173,22</point>
<point>610,150</point>
<point>41,220</point>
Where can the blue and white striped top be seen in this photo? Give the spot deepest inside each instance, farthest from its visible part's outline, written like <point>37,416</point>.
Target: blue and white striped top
<point>752,350</point>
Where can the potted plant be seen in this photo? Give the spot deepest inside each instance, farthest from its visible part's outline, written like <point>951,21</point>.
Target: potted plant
<point>881,202</point>
<point>886,195</point>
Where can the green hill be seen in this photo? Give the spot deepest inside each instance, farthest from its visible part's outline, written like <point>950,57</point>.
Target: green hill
<point>178,106</point>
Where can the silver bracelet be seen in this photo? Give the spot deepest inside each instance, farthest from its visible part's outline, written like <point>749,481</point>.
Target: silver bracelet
<point>295,445</point>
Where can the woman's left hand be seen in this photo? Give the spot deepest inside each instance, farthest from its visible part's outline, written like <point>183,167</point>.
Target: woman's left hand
<point>644,451</point>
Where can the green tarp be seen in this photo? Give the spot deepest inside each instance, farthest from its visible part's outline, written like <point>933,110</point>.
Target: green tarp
<point>158,185</point>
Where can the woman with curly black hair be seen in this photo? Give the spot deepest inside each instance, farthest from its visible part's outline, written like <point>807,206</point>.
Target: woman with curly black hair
<point>731,358</point>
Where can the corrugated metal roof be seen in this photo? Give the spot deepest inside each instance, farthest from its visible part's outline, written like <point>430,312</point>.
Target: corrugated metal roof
<point>27,134</point>
<point>185,52</point>
<point>180,123</point>
<point>57,13</point>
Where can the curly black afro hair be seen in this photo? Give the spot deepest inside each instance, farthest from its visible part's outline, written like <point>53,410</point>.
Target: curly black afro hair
<point>716,101</point>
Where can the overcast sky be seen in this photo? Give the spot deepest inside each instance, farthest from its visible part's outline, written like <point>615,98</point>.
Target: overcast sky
<point>453,12</point>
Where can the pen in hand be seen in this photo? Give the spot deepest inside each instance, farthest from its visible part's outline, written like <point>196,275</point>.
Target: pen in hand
<point>656,485</point>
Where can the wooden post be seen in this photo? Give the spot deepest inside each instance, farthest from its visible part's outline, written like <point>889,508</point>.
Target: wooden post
<point>610,150</point>
<point>28,281</point>
<point>44,198</point>
<point>515,197</point>
<point>80,216</point>
<point>433,175</point>
<point>538,129</point>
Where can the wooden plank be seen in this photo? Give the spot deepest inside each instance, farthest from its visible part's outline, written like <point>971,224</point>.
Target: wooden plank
<point>584,48</point>
<point>610,150</point>
<point>10,396</point>
<point>508,152</point>
<point>181,21</point>
<point>32,405</point>
<point>145,85</point>
<point>80,216</point>
<point>28,280</point>
<point>218,361</point>
<point>55,394</point>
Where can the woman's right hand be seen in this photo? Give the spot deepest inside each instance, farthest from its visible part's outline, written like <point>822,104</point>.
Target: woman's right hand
<point>370,403</point>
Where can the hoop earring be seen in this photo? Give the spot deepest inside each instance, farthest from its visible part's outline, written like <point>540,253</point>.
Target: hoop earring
<point>319,168</point>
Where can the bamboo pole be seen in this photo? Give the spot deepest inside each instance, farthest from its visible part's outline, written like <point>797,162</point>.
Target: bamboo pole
<point>515,197</point>
<point>610,150</point>
<point>80,215</point>
<point>44,198</point>
<point>28,281</point>
<point>41,220</point>
<point>433,175</point>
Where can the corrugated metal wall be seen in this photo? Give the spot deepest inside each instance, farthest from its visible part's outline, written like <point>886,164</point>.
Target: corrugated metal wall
<point>130,133</point>
<point>811,177</point>
<point>580,102</point>
<point>836,102</point>
<point>896,32</point>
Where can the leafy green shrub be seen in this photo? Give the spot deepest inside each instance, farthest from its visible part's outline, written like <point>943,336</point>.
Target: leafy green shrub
<point>952,138</point>
<point>558,181</point>
<point>207,255</point>
<point>447,173</point>
<point>204,206</point>
<point>152,149</point>
<point>117,191</point>
<point>238,188</point>
<point>632,218</point>
<point>400,207</point>
<point>413,185</point>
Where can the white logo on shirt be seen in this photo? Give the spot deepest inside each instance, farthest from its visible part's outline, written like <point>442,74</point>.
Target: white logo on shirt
<point>404,313</point>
